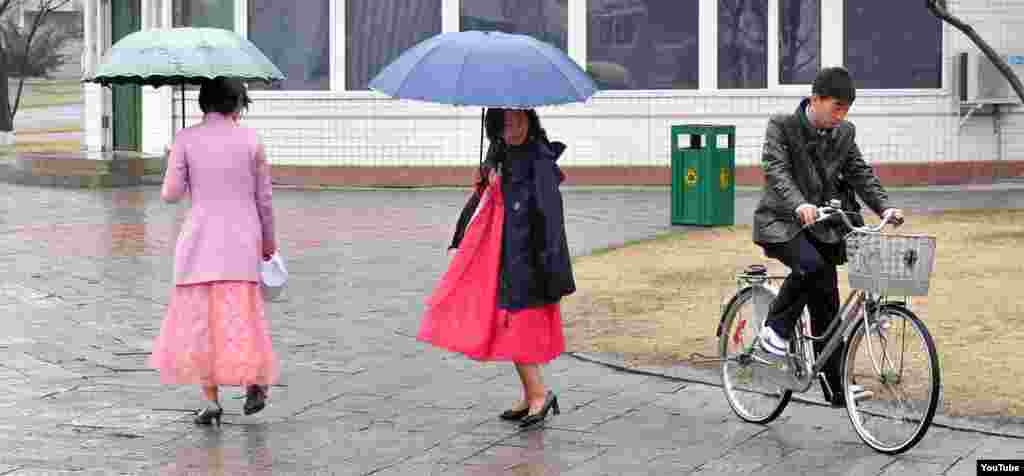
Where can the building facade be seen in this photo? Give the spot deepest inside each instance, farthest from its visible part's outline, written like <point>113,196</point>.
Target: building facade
<point>658,62</point>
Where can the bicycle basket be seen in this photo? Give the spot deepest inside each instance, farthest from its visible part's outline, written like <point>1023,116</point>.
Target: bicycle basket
<point>890,264</point>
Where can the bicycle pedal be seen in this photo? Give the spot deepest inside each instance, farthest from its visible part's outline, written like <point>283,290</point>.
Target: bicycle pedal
<point>776,363</point>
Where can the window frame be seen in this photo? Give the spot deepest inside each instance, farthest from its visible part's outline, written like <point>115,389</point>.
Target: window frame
<point>335,57</point>
<point>778,44</point>
<point>831,51</point>
<point>770,20</point>
<point>579,31</point>
<point>943,70</point>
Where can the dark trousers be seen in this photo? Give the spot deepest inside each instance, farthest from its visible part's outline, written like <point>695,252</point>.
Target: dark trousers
<point>812,282</point>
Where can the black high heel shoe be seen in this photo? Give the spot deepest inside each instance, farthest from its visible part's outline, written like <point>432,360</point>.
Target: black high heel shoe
<point>208,415</point>
<point>550,404</point>
<point>515,415</point>
<point>255,399</point>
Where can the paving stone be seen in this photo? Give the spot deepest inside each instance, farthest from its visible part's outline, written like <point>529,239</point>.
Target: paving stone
<point>87,275</point>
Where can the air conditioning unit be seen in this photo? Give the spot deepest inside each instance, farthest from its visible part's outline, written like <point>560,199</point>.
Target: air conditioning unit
<point>980,82</point>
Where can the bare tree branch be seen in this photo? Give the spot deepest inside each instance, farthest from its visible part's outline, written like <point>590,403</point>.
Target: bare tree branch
<point>810,59</point>
<point>938,8</point>
<point>6,116</point>
<point>45,8</point>
<point>6,4</point>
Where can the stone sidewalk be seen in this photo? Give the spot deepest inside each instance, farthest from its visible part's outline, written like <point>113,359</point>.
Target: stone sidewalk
<point>85,279</point>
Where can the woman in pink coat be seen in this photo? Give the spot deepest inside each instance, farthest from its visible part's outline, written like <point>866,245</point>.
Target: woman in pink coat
<point>215,331</point>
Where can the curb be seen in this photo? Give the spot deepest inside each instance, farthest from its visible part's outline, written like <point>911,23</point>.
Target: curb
<point>941,421</point>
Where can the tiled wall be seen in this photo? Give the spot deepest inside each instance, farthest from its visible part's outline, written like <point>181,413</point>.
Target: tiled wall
<point>332,130</point>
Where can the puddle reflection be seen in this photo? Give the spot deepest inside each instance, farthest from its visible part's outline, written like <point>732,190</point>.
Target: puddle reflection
<point>219,452</point>
<point>523,455</point>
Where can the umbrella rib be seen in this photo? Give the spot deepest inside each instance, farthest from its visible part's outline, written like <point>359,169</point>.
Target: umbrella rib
<point>462,69</point>
<point>432,50</point>
<point>553,65</point>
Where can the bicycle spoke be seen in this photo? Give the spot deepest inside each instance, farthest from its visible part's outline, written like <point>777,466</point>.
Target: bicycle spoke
<point>903,389</point>
<point>751,396</point>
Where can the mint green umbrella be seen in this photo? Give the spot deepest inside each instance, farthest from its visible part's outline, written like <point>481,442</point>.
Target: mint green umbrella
<point>180,56</point>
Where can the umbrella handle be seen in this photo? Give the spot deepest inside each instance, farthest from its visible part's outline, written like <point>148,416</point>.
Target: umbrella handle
<point>182,105</point>
<point>482,119</point>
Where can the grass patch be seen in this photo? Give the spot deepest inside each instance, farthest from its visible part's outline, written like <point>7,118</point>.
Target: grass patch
<point>39,93</point>
<point>52,130</point>
<point>48,147</point>
<point>656,302</point>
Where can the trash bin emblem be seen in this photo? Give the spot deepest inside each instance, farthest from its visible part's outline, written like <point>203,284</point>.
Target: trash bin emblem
<point>691,176</point>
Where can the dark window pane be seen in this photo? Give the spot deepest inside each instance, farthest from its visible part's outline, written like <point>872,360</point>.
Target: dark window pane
<point>799,41</point>
<point>545,20</point>
<point>204,13</point>
<point>296,37</point>
<point>893,45</point>
<point>643,44</point>
<point>742,44</point>
<point>378,31</point>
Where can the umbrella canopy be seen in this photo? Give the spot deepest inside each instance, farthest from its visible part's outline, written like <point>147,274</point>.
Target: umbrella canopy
<point>175,56</point>
<point>488,69</point>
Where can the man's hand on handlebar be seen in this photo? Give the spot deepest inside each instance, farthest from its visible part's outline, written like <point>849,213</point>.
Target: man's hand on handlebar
<point>810,214</point>
<point>807,213</point>
<point>895,216</point>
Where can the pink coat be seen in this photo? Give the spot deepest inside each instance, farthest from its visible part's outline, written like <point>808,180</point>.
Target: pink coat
<point>223,168</point>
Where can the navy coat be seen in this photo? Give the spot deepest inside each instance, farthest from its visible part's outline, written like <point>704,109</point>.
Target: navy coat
<point>536,268</point>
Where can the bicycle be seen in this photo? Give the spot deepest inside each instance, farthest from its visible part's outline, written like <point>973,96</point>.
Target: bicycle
<point>879,265</point>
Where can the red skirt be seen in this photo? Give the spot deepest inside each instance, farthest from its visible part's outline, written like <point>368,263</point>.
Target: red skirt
<point>462,313</point>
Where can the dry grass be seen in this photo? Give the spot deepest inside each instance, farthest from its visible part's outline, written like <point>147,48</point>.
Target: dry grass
<point>49,147</point>
<point>39,93</point>
<point>656,302</point>
<point>51,130</point>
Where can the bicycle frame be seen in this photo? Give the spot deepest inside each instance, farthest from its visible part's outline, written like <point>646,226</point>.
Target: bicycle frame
<point>805,365</point>
<point>838,332</point>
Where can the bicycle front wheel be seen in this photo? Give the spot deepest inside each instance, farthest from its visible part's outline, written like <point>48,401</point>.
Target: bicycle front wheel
<point>751,396</point>
<point>891,380</point>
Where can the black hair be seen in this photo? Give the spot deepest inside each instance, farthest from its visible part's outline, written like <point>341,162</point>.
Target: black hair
<point>494,127</point>
<point>835,82</point>
<point>223,95</point>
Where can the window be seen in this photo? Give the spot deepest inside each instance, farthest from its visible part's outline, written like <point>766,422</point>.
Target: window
<point>204,13</point>
<point>893,45</point>
<point>644,44</point>
<point>799,41</point>
<point>545,20</point>
<point>296,37</point>
<point>378,31</point>
<point>742,44</point>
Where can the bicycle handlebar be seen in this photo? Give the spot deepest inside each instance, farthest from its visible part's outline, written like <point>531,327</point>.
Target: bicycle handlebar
<point>833,209</point>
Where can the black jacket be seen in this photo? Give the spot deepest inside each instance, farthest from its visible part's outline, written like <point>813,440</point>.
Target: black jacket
<point>801,166</point>
<point>536,268</point>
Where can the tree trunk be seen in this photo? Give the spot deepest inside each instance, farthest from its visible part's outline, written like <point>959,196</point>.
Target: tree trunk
<point>6,121</point>
<point>938,8</point>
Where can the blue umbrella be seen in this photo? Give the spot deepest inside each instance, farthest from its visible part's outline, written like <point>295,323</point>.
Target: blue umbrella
<point>488,69</point>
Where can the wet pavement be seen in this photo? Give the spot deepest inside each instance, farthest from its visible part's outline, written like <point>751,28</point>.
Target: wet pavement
<point>85,276</point>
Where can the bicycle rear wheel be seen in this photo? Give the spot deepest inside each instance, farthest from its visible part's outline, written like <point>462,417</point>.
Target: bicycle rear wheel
<point>893,361</point>
<point>752,397</point>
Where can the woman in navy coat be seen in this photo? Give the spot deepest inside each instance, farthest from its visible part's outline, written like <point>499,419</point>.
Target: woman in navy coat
<point>534,270</point>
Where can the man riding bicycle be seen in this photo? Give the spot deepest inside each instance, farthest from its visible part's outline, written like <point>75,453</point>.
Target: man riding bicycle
<point>811,157</point>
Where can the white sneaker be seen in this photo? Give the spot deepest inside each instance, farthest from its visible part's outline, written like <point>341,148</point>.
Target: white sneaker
<point>859,393</point>
<point>772,344</point>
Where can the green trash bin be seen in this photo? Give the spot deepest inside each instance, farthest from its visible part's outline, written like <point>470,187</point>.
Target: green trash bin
<point>703,175</point>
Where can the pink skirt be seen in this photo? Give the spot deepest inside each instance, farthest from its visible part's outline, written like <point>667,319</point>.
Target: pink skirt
<point>215,334</point>
<point>463,315</point>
